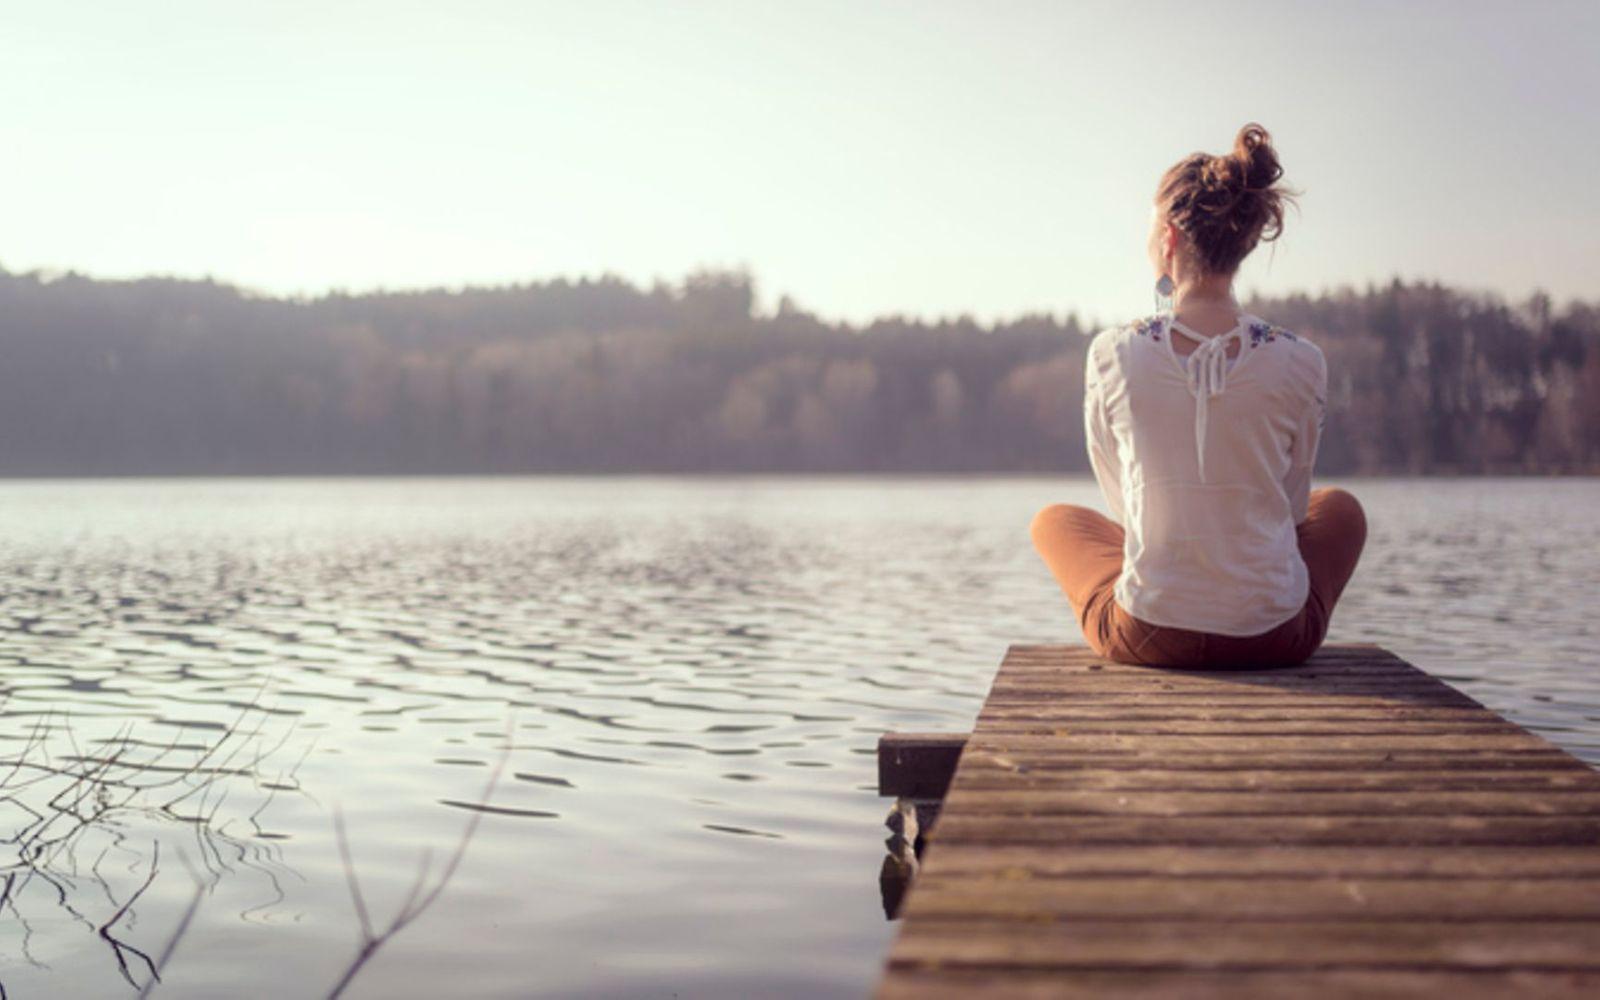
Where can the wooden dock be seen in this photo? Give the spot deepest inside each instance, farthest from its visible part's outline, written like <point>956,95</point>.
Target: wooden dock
<point>1350,827</point>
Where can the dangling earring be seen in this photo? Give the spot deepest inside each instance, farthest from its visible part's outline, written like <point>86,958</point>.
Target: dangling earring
<point>1164,290</point>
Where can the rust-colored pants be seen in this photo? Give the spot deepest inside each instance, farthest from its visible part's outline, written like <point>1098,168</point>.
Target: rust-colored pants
<point>1083,549</point>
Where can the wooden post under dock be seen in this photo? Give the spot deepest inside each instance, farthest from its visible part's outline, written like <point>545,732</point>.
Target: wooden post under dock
<point>1349,827</point>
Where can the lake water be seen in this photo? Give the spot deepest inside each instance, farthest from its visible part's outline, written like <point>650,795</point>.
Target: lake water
<point>690,676</point>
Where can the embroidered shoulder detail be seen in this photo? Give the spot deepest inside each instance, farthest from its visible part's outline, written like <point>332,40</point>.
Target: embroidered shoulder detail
<point>1266,333</point>
<point>1150,327</point>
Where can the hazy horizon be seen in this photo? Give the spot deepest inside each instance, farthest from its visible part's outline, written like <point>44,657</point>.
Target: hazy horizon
<point>167,377</point>
<point>925,160</point>
<point>768,298</point>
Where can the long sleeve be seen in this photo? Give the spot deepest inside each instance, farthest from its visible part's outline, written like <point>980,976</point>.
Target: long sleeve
<point>1102,443</point>
<point>1307,438</point>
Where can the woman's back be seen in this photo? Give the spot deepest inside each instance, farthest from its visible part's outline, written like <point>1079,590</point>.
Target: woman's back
<point>1206,461</point>
<point>1203,423</point>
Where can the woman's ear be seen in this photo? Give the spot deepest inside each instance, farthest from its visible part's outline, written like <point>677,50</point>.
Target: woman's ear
<point>1169,241</point>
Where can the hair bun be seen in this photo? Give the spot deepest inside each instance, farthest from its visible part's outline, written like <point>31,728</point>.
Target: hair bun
<point>1257,163</point>
<point>1227,204</point>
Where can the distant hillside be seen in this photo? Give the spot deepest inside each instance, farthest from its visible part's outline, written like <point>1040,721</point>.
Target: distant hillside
<point>161,376</point>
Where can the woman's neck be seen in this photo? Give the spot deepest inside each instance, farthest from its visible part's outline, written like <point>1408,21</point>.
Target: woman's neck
<point>1206,304</point>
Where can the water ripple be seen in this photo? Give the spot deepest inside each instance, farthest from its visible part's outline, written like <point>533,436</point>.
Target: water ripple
<point>694,672</point>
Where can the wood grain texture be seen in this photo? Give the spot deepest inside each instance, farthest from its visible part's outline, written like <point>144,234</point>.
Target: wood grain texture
<point>1350,827</point>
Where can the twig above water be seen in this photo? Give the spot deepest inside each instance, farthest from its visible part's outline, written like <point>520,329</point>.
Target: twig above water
<point>417,899</point>
<point>118,946</point>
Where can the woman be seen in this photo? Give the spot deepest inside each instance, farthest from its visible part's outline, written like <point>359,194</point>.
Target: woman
<point>1202,424</point>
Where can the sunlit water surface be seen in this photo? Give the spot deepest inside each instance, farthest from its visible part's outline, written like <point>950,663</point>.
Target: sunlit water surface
<point>692,672</point>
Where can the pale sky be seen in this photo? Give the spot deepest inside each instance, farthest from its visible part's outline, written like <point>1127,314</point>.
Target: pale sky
<point>928,158</point>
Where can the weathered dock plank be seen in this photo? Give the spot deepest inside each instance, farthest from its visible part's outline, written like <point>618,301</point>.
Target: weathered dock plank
<point>1350,827</point>
<point>1246,983</point>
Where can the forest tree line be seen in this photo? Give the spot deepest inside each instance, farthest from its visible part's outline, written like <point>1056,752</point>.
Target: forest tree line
<point>164,376</point>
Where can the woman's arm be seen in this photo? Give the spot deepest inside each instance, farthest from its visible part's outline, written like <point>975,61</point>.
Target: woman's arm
<point>1307,437</point>
<point>1103,458</point>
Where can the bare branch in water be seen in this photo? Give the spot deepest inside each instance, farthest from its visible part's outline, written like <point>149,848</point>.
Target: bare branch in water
<point>417,900</point>
<point>350,875</point>
<point>182,928</point>
<point>80,800</point>
<point>119,946</point>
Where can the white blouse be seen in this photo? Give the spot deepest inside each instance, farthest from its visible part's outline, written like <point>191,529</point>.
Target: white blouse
<point>1206,461</point>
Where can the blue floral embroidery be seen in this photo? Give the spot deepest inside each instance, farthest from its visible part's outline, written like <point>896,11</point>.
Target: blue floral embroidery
<point>1266,333</point>
<point>1150,327</point>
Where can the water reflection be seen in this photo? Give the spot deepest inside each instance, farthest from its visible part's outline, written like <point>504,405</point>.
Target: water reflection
<point>86,817</point>
<point>698,671</point>
<point>900,865</point>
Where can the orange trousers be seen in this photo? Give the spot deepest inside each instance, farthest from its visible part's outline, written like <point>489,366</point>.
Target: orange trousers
<point>1083,549</point>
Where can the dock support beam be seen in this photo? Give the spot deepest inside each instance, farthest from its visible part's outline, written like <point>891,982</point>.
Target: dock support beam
<point>918,765</point>
<point>916,768</point>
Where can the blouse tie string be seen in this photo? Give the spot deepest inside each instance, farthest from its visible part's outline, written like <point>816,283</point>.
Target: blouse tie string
<point>1207,368</point>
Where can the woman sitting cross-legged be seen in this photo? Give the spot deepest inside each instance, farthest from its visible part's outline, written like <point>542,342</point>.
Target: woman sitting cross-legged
<point>1202,423</point>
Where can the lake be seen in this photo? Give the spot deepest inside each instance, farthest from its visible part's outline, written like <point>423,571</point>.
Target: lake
<point>657,698</point>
